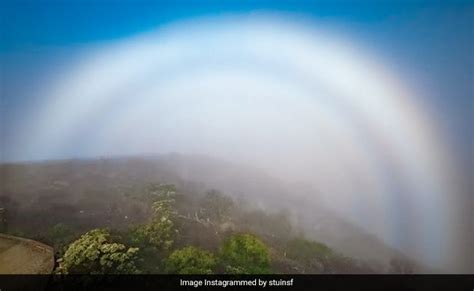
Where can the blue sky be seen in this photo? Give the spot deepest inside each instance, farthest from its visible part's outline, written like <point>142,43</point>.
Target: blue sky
<point>31,23</point>
<point>431,42</point>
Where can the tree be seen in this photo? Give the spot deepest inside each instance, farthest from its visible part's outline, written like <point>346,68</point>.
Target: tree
<point>274,225</point>
<point>216,207</point>
<point>245,254</point>
<point>307,251</point>
<point>314,255</point>
<point>190,260</point>
<point>158,191</point>
<point>60,234</point>
<point>95,253</point>
<point>160,230</point>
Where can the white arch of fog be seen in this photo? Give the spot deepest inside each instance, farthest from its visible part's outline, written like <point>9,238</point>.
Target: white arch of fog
<point>300,102</point>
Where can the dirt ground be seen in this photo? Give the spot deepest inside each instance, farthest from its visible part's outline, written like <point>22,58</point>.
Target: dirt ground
<point>23,256</point>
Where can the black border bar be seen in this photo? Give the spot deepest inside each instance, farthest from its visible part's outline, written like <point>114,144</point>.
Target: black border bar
<point>236,282</point>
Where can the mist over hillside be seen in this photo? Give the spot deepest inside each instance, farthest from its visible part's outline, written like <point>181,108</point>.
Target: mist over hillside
<point>85,192</point>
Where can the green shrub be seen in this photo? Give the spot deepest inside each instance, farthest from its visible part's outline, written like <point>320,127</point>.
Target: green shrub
<point>94,253</point>
<point>190,260</point>
<point>245,254</point>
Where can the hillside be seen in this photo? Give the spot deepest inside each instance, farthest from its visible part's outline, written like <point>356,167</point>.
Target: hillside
<point>58,201</point>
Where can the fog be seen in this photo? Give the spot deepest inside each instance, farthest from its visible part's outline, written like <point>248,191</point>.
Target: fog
<point>299,101</point>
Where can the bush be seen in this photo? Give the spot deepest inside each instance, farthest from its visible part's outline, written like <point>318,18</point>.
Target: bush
<point>160,230</point>
<point>245,254</point>
<point>315,256</point>
<point>94,253</point>
<point>190,260</point>
<point>305,251</point>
